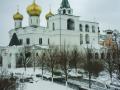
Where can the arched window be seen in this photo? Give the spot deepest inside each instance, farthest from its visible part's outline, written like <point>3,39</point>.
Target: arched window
<point>81,39</point>
<point>87,39</point>
<point>87,28</point>
<point>70,24</point>
<point>93,29</point>
<point>80,27</point>
<point>27,41</point>
<point>96,56</point>
<point>64,11</point>
<point>69,11</point>
<point>53,26</point>
<point>40,41</point>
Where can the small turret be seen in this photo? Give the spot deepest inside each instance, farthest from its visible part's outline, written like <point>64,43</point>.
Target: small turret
<point>65,8</point>
<point>18,19</point>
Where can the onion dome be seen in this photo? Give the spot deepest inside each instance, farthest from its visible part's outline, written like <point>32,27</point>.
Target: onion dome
<point>34,9</point>
<point>18,16</point>
<point>49,15</point>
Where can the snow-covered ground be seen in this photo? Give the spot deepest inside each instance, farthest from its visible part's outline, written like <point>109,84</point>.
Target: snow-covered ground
<point>39,84</point>
<point>45,85</point>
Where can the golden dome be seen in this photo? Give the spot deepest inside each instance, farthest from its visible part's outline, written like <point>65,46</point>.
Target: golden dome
<point>34,9</point>
<point>48,15</point>
<point>18,16</point>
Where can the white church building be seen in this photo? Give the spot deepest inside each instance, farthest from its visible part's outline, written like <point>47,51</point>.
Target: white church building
<point>62,28</point>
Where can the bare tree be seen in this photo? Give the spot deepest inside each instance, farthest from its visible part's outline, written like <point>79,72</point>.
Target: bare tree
<point>92,66</point>
<point>117,53</point>
<point>87,64</point>
<point>64,62</point>
<point>110,62</point>
<point>74,58</point>
<point>43,61</point>
<point>52,57</point>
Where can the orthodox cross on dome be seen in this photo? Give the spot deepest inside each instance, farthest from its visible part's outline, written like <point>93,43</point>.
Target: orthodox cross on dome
<point>34,1</point>
<point>17,8</point>
<point>65,4</point>
<point>50,7</point>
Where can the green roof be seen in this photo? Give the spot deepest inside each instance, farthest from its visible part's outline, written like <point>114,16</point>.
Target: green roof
<point>65,4</point>
<point>14,40</point>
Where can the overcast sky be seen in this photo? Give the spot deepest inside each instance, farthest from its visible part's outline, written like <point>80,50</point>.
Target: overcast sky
<point>106,12</point>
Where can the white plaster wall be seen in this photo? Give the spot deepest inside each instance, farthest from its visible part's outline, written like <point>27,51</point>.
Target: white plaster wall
<point>68,37</point>
<point>34,20</point>
<point>18,23</point>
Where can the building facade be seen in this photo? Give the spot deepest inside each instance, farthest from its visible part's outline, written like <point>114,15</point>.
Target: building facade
<point>63,28</point>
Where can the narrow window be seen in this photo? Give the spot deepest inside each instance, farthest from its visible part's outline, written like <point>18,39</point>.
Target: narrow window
<point>48,41</point>
<point>21,41</point>
<point>40,41</point>
<point>53,26</point>
<point>98,30</point>
<point>31,21</point>
<point>37,21</point>
<point>0,60</point>
<point>87,28</point>
<point>87,39</point>
<point>64,11</point>
<point>20,24</point>
<point>81,39</point>
<point>93,29</point>
<point>15,24</point>
<point>27,41</point>
<point>80,27</point>
<point>69,11</point>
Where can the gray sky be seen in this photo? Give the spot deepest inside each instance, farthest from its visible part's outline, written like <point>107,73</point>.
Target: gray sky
<point>106,12</point>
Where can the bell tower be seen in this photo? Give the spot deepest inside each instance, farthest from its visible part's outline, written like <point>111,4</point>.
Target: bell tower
<point>65,8</point>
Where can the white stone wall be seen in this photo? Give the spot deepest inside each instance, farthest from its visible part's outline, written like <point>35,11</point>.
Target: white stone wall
<point>9,56</point>
<point>18,23</point>
<point>68,37</point>
<point>34,20</point>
